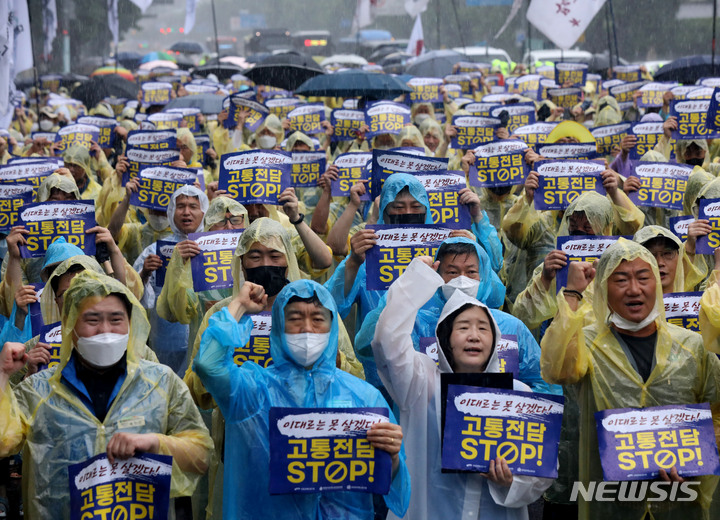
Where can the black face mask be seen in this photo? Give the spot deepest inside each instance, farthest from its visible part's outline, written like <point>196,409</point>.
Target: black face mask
<point>580,233</point>
<point>500,190</point>
<point>695,161</point>
<point>271,277</point>
<point>405,218</point>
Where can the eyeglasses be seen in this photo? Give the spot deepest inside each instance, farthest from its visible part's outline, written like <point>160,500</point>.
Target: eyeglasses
<point>665,254</point>
<point>235,221</point>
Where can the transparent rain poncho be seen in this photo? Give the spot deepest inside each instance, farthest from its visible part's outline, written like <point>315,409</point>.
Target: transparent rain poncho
<point>591,362</point>
<point>413,381</point>
<point>245,396</point>
<point>219,207</point>
<point>62,182</point>
<point>80,155</point>
<point>695,184</point>
<point>54,424</point>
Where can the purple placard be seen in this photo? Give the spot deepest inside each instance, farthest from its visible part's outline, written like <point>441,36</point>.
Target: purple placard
<point>691,116</point>
<point>48,221</point>
<point>257,349</point>
<point>107,128</point>
<point>156,93</point>
<point>352,168</point>
<point>346,122</point>
<point>624,93</point>
<point>51,335</point>
<point>473,131</point>
<point>137,487</point>
<point>508,353</point>
<point>442,189</point>
<point>482,424</point>
<point>235,104</point>
<point>396,247</point>
<point>307,167</point>
<point>535,133</point>
<point>683,309</point>
<point>561,182</point>
<point>565,97</point>
<point>529,86</point>
<point>709,210</point>
<point>307,119</point>
<point>212,267</point>
<point>576,151</point>
<point>713,115</point>
<point>76,135</point>
<point>255,176</point>
<point>500,163</point>
<point>520,114</point>
<point>190,116</point>
<point>387,162</point>
<point>571,74</point>
<point>653,94</point>
<point>648,136</point>
<point>155,140</point>
<point>386,117</point>
<point>581,249</point>
<point>315,450</point>
<point>429,347</point>
<point>663,184</point>
<point>282,106</point>
<point>679,226</point>
<point>164,250</point>
<point>609,136</point>
<point>158,183</point>
<point>12,198</point>
<point>34,310</point>
<point>139,157</point>
<point>425,90</point>
<point>635,444</point>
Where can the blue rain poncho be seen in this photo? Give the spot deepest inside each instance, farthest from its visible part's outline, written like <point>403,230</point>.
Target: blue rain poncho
<point>245,396</point>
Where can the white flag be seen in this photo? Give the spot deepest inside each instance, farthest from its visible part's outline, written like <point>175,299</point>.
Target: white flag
<point>563,21</point>
<point>23,39</point>
<point>363,15</point>
<point>49,19</point>
<point>114,21</point>
<point>416,44</point>
<point>415,7</point>
<point>190,6</point>
<point>142,4</point>
<point>15,52</point>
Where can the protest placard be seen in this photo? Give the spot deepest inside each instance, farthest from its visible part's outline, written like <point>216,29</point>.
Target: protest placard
<point>352,168</point>
<point>212,267</point>
<point>519,114</point>
<point>648,135</point>
<point>709,210</point>
<point>190,116</point>
<point>663,184</point>
<point>48,221</point>
<point>307,118</point>
<point>679,226</point>
<point>76,135</point>
<point>154,140</point>
<point>528,86</point>
<point>627,73</point>
<point>387,162</point>
<point>473,131</point>
<point>386,117</point>
<point>565,97</point>
<point>425,90</point>
<point>624,93</point>
<point>164,250</point>
<point>442,189</point>
<point>255,112</point>
<point>533,134</point>
<point>12,198</point>
<point>255,176</point>
<point>307,167</point>
<point>571,74</point>
<point>499,163</point>
<point>682,309</point>
<point>106,125</point>
<point>157,185</point>
<point>257,349</point>
<point>51,335</point>
<point>139,157</point>
<point>346,122</point>
<point>580,249</point>
<point>508,353</point>
<point>156,93</point>
<point>609,136</point>
<point>165,120</point>
<point>282,106</point>
<point>652,94</point>
<point>691,118</point>
<point>561,182</point>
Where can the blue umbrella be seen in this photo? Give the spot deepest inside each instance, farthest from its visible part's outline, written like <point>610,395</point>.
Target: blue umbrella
<point>434,64</point>
<point>354,83</point>
<point>689,69</point>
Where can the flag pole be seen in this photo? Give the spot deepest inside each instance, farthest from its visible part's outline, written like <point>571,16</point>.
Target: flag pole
<point>715,2</point>
<point>217,44</point>
<point>36,79</point>
<point>609,42</point>
<point>612,16</point>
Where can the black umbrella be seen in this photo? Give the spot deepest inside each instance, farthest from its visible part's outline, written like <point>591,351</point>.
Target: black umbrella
<point>207,103</point>
<point>223,71</point>
<point>287,70</point>
<point>689,69</point>
<point>354,83</point>
<point>435,64</point>
<point>99,87</point>
<point>187,47</point>
<point>129,60</point>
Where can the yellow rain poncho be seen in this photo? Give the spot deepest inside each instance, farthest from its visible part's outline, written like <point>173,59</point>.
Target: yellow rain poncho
<point>589,360</point>
<point>697,180</point>
<point>298,137</point>
<point>272,123</point>
<point>54,425</point>
<point>64,183</point>
<point>432,127</point>
<point>80,156</point>
<point>218,209</point>
<point>411,136</point>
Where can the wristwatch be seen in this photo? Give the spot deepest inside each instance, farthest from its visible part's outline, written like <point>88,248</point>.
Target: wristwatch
<point>300,218</point>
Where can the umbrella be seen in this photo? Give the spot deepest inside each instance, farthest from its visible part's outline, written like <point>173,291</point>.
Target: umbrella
<point>207,103</point>
<point>120,71</point>
<point>435,64</point>
<point>346,60</point>
<point>236,60</point>
<point>153,56</point>
<point>222,71</point>
<point>150,65</point>
<point>287,70</point>
<point>689,69</point>
<point>99,87</point>
<point>354,83</point>
<point>187,47</point>
<point>129,60</point>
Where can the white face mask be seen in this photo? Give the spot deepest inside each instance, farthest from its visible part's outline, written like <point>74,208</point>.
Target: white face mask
<point>34,127</point>
<point>266,141</point>
<point>158,222</point>
<point>625,324</point>
<point>305,348</point>
<point>461,283</point>
<point>419,118</point>
<point>46,125</point>
<point>102,350</point>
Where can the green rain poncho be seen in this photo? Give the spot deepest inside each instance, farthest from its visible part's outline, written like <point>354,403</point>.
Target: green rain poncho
<point>50,418</point>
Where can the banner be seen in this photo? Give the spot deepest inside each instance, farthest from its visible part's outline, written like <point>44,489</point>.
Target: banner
<point>235,104</point>
<point>164,250</point>
<point>500,163</point>
<point>571,74</point>
<point>282,106</point>
<point>315,450</point>
<point>425,90</point>
<point>581,249</point>
<point>76,135</point>
<point>709,210</point>
<point>139,157</point>
<point>346,123</point>
<point>565,97</point>
<point>308,119</point>
<point>257,349</point>
<point>663,184</point>
<point>387,162</point>
<point>212,267</point>
<point>482,424</point>
<point>51,335</point>
<point>386,117</point>
<point>155,93</point>
<point>255,176</point>
<point>473,131</point>
<point>154,140</point>
<point>691,117</point>
<point>307,167</point>
<point>442,189</point>
<point>535,133</point>
<point>609,136</point>
<point>396,247</point>
<point>508,353</point>
<point>682,309</point>
<point>48,221</point>
<point>106,125</point>
<point>12,198</point>
<point>653,94</point>
<point>561,182</point>
<point>520,114</point>
<point>636,444</point>
<point>138,487</point>
<point>648,135</point>
<point>165,120</point>
<point>158,183</point>
<point>679,226</point>
<point>576,151</point>
<point>352,167</point>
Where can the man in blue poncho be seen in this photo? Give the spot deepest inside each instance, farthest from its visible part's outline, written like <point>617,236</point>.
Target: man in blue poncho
<point>303,345</point>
